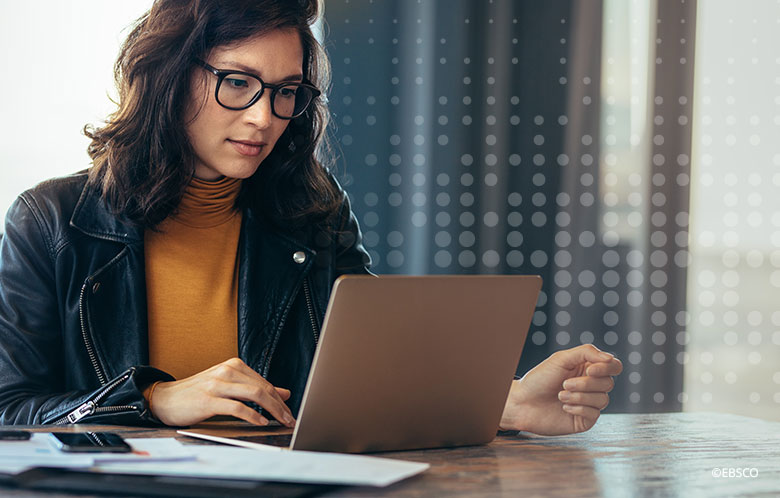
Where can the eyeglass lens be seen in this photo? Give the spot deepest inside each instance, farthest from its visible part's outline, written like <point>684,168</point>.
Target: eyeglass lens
<point>237,91</point>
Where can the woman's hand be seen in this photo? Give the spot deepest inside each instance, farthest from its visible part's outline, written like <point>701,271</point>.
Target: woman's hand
<point>220,390</point>
<point>564,394</point>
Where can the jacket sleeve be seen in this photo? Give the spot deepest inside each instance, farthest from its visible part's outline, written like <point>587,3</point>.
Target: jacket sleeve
<point>32,366</point>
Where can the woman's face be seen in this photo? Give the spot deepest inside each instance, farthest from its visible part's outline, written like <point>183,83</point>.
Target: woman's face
<point>234,143</point>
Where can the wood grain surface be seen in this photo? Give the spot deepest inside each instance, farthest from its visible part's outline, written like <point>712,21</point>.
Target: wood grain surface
<point>670,454</point>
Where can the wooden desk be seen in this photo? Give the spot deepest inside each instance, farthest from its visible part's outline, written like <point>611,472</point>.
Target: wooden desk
<point>624,455</point>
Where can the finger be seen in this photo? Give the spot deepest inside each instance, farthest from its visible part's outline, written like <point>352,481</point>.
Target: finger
<point>588,413</point>
<point>574,357</point>
<point>265,396</point>
<point>589,384</point>
<point>283,393</point>
<point>271,400</point>
<point>614,367</point>
<point>598,401</point>
<point>237,409</point>
<point>251,377</point>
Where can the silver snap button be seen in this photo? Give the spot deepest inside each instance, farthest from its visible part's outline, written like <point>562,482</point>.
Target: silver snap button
<point>299,257</point>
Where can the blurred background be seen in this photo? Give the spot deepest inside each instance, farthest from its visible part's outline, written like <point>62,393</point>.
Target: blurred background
<point>625,150</point>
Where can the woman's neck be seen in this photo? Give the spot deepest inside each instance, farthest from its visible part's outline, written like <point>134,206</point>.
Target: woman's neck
<point>208,203</point>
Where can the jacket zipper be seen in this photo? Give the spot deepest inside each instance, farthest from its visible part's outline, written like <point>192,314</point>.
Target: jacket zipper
<point>310,307</point>
<point>312,318</point>
<point>87,341</point>
<point>91,406</point>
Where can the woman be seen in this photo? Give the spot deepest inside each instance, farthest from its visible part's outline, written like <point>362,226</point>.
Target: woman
<point>185,274</point>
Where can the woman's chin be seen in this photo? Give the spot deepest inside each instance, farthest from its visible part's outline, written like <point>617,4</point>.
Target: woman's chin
<point>241,172</point>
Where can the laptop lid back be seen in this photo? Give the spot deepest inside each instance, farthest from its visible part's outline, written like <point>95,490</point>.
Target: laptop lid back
<point>414,362</point>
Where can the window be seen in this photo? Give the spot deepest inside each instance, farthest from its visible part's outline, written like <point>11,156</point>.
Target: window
<point>59,58</point>
<point>733,358</point>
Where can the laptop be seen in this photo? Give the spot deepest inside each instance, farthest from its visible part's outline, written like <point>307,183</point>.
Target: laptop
<point>411,362</point>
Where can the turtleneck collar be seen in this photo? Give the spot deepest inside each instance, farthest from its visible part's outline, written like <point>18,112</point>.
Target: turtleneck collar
<point>207,204</point>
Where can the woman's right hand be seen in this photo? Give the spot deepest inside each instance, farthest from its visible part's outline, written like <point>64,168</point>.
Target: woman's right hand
<point>220,390</point>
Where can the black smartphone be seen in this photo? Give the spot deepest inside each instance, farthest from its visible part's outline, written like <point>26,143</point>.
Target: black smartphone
<point>14,435</point>
<point>90,442</point>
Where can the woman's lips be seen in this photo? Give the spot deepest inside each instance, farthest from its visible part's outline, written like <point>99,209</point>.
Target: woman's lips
<point>247,148</point>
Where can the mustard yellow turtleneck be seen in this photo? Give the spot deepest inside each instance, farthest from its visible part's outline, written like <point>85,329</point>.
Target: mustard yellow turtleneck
<point>192,280</point>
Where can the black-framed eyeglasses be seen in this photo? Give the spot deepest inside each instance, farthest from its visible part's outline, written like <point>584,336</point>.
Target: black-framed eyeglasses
<point>238,90</point>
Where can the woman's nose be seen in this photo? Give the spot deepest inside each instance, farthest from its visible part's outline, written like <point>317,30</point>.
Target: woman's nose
<point>259,113</point>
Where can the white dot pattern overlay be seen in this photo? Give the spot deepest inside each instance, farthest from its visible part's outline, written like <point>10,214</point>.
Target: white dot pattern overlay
<point>732,360</point>
<point>468,151</point>
<point>450,156</point>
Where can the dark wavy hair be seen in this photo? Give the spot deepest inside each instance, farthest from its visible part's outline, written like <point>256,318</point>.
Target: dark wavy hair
<point>142,159</point>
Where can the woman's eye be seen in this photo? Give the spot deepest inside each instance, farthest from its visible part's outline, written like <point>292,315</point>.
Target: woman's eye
<point>237,83</point>
<point>287,92</point>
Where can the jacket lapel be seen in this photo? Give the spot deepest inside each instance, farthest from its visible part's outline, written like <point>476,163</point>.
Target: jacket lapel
<point>272,268</point>
<point>113,296</point>
<point>93,217</point>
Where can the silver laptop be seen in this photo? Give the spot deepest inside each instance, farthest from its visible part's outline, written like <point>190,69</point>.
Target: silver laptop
<point>407,363</point>
<point>414,362</point>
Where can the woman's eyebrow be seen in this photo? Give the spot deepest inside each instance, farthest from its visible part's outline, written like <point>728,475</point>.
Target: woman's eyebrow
<point>248,69</point>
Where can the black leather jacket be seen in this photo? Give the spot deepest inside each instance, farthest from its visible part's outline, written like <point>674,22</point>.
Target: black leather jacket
<point>73,316</point>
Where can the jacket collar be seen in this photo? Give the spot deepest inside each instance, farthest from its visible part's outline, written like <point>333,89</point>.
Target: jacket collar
<point>93,217</point>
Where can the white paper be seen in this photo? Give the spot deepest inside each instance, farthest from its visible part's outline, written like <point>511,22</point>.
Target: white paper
<point>10,466</point>
<point>211,461</point>
<point>150,449</point>
<point>38,447</point>
<point>284,466</point>
<point>38,451</point>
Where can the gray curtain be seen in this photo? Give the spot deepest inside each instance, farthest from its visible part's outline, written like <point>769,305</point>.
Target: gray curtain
<point>469,135</point>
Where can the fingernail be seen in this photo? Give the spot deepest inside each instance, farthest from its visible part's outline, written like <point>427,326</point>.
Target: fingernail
<point>564,396</point>
<point>569,385</point>
<point>288,419</point>
<point>605,356</point>
<point>567,407</point>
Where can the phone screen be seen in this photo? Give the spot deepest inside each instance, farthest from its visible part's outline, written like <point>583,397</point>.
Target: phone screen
<point>86,442</point>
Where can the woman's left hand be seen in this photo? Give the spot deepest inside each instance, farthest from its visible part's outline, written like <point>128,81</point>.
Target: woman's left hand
<point>564,394</point>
